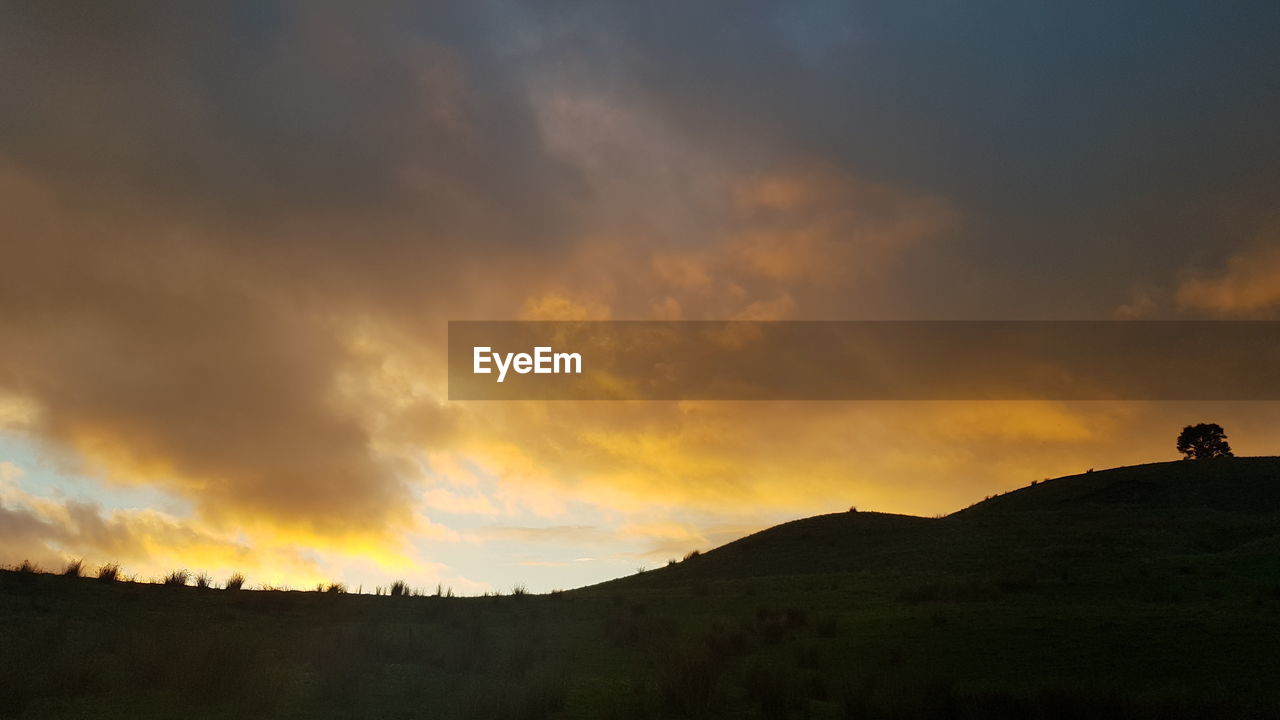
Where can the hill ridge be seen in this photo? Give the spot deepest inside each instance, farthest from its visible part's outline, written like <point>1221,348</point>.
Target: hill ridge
<point>1127,513</point>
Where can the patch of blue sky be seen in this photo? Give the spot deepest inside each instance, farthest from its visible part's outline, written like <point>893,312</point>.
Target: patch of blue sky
<point>46,475</point>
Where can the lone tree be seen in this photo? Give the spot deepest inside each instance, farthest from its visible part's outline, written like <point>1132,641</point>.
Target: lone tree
<point>1203,441</point>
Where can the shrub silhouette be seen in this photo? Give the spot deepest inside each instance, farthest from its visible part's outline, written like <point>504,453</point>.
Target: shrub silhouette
<point>1203,441</point>
<point>74,568</point>
<point>235,582</point>
<point>177,578</point>
<point>399,589</point>
<point>203,580</point>
<point>109,572</point>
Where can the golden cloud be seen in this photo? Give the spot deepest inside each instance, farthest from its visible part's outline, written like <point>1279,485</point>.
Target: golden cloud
<point>1250,282</point>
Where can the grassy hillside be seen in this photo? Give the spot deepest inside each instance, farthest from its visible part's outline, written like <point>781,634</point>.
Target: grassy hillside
<point>1084,522</point>
<point>1150,591</point>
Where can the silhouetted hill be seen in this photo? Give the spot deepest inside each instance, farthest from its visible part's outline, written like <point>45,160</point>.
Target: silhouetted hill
<point>1248,485</point>
<point>1139,592</point>
<point>1145,512</point>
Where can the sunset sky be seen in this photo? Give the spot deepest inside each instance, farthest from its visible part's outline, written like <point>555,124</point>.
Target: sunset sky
<point>232,235</point>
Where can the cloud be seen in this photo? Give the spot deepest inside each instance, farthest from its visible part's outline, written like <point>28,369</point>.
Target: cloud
<point>52,531</point>
<point>1249,282</point>
<point>744,464</point>
<point>818,223</point>
<point>456,503</point>
<point>555,534</point>
<point>197,241</point>
<point>160,360</point>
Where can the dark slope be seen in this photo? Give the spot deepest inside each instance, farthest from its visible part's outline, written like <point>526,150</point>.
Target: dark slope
<point>1148,592</point>
<point>843,542</point>
<point>1159,512</point>
<point>1249,485</point>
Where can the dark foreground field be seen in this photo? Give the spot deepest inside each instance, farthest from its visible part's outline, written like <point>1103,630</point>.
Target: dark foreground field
<point>1151,591</point>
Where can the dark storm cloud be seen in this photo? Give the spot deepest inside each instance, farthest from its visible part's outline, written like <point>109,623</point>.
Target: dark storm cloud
<point>1078,137</point>
<point>1098,143</point>
<point>263,109</point>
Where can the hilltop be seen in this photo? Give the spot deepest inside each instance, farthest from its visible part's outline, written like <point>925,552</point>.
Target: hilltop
<point>1150,591</point>
<point>1143,512</point>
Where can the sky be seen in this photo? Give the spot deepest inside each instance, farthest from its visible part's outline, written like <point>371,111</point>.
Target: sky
<point>232,236</point>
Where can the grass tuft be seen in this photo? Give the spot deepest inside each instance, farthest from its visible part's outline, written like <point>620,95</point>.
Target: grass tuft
<point>204,581</point>
<point>74,568</point>
<point>28,568</point>
<point>109,572</point>
<point>177,578</point>
<point>399,588</point>
<point>235,582</point>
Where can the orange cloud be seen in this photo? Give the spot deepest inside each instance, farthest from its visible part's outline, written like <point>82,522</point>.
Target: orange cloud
<point>815,222</point>
<point>1250,282</point>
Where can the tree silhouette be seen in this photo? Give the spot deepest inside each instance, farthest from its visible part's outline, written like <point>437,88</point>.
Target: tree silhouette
<point>1203,441</point>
